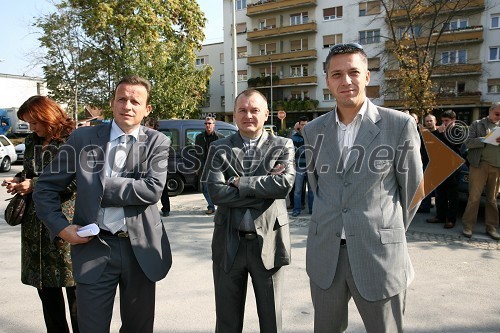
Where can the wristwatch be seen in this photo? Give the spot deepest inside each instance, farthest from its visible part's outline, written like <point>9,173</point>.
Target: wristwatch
<point>232,180</point>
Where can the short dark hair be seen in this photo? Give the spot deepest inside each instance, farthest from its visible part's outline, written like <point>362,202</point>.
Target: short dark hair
<point>136,80</point>
<point>449,114</point>
<point>303,118</point>
<point>349,48</point>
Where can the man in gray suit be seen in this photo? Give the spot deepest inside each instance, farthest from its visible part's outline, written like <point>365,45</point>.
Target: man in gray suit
<point>119,183</point>
<point>249,175</point>
<point>365,169</point>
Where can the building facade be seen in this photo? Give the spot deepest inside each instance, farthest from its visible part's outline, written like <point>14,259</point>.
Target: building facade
<point>15,89</point>
<point>281,46</point>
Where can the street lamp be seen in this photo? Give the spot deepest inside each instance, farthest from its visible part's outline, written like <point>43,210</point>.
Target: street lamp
<point>271,111</point>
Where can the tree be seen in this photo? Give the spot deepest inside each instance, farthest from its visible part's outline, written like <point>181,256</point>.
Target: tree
<point>416,29</point>
<point>155,39</point>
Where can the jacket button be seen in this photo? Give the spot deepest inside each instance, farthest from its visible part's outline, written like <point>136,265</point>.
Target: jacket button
<point>345,210</point>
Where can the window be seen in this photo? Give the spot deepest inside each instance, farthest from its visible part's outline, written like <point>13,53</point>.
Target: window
<point>242,52</point>
<point>369,8</point>
<point>373,91</point>
<point>369,36</point>
<point>494,86</point>
<point>173,135</point>
<point>330,40</point>
<point>327,95</point>
<point>241,4</point>
<point>332,13</point>
<point>456,24</point>
<point>454,57</point>
<point>373,64</point>
<point>222,79</point>
<point>200,61</point>
<point>407,32</point>
<point>241,28</point>
<point>494,53</point>
<point>299,18</point>
<point>267,23</point>
<point>299,70</point>
<point>298,44</point>
<point>222,101</point>
<point>221,56</point>
<point>265,71</point>
<point>242,75</point>
<point>495,21</point>
<point>297,95</point>
<point>269,48</point>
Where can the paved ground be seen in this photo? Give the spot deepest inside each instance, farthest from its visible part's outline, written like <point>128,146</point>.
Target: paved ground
<point>456,288</point>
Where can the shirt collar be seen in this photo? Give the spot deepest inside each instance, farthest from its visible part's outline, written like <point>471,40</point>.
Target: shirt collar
<point>360,115</point>
<point>116,132</point>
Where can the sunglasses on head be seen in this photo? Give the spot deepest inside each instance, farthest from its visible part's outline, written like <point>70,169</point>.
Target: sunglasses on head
<point>346,48</point>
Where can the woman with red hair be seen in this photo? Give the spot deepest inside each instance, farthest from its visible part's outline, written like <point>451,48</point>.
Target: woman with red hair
<point>45,265</point>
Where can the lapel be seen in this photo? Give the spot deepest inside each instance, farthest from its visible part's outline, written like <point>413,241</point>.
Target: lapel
<point>327,140</point>
<point>135,151</point>
<point>366,134</point>
<point>237,151</point>
<point>261,152</point>
<point>100,146</point>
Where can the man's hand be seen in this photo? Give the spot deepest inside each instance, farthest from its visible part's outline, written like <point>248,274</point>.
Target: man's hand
<point>278,169</point>
<point>69,235</point>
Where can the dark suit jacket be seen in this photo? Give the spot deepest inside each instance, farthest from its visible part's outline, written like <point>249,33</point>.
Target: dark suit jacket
<point>138,191</point>
<point>258,190</point>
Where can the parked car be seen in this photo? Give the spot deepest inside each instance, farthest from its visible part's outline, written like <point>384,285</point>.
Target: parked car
<point>20,152</point>
<point>271,129</point>
<point>7,154</point>
<point>181,162</point>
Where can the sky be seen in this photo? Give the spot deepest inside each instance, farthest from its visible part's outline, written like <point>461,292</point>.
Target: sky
<point>19,40</point>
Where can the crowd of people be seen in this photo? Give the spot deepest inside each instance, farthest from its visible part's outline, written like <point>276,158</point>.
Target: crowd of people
<point>360,203</point>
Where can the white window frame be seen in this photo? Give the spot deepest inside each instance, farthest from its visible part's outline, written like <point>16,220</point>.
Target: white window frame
<point>333,17</point>
<point>240,4</point>
<point>221,78</point>
<point>495,21</point>
<point>242,77</point>
<point>497,48</point>
<point>299,18</point>
<point>457,24</point>
<point>327,95</point>
<point>200,61</point>
<point>299,70</point>
<point>453,57</point>
<point>369,36</point>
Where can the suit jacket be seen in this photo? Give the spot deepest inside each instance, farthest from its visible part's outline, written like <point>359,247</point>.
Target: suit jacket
<point>370,199</point>
<point>264,194</point>
<point>137,191</point>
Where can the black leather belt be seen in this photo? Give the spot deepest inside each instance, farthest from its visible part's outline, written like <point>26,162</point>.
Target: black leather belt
<point>248,235</point>
<point>122,234</point>
<point>343,241</point>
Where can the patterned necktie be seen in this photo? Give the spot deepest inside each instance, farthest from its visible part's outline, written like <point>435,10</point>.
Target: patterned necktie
<point>114,217</point>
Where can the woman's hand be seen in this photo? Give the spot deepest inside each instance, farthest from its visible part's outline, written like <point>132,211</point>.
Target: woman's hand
<point>13,187</point>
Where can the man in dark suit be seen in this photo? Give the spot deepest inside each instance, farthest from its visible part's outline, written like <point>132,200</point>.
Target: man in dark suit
<point>249,175</point>
<point>120,171</point>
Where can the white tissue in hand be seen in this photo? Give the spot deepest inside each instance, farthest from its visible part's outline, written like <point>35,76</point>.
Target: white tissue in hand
<point>88,230</point>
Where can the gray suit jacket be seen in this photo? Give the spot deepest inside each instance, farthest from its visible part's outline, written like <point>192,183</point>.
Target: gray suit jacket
<point>258,190</point>
<point>370,199</point>
<point>83,158</point>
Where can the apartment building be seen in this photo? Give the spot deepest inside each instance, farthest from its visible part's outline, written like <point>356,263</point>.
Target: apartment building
<point>281,46</point>
<point>15,89</point>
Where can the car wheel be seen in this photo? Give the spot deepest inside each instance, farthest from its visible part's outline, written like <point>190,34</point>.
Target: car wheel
<point>5,165</point>
<point>175,185</point>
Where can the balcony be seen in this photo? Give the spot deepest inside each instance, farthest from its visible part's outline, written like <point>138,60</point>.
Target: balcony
<point>451,5</point>
<point>281,31</point>
<point>282,57</point>
<point>470,99</point>
<point>269,6</point>
<point>445,70</point>
<point>459,36</point>
<point>278,82</point>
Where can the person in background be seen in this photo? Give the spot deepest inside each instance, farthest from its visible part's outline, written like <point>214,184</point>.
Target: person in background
<point>249,175</point>
<point>429,124</point>
<point>120,169</point>
<point>484,173</point>
<point>356,246</point>
<point>447,191</point>
<point>300,171</point>
<point>45,261</point>
<point>202,143</point>
<point>152,122</point>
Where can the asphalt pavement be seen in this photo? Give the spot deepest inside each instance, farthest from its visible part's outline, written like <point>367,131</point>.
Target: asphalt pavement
<point>456,288</point>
